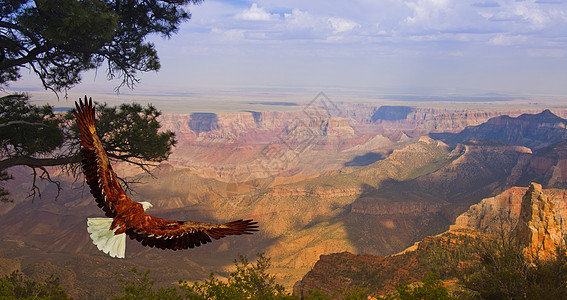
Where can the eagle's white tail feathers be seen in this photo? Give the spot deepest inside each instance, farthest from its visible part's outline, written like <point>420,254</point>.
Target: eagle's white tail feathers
<point>104,238</point>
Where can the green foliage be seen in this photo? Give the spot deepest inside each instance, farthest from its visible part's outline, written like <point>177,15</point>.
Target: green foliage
<point>37,137</point>
<point>430,288</point>
<point>317,295</point>
<point>129,131</point>
<point>248,281</point>
<point>4,194</point>
<point>16,286</point>
<point>28,129</point>
<point>132,131</point>
<point>356,293</point>
<point>142,288</point>
<point>503,272</point>
<point>58,40</point>
<point>447,260</point>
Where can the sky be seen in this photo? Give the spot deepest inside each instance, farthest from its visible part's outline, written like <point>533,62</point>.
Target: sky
<point>418,47</point>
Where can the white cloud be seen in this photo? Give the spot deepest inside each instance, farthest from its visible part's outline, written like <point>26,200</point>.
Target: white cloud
<point>299,18</point>
<point>320,27</point>
<point>388,21</point>
<point>255,13</point>
<point>531,13</point>
<point>426,10</point>
<point>372,38</point>
<point>340,25</point>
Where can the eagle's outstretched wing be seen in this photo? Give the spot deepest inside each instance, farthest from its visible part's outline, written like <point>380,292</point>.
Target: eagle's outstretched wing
<point>177,235</point>
<point>98,173</point>
<point>129,216</point>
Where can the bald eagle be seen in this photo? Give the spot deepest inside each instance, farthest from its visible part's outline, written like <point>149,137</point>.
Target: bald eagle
<point>127,217</point>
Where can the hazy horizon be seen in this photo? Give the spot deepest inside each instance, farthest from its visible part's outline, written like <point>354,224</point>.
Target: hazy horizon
<point>234,50</point>
<point>227,101</point>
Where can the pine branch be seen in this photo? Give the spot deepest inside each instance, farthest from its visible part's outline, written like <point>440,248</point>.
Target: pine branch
<point>20,122</point>
<point>34,162</point>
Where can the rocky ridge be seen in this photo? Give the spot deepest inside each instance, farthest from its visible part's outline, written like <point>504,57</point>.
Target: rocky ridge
<point>222,145</point>
<point>538,230</point>
<point>534,131</point>
<point>547,166</point>
<point>502,212</point>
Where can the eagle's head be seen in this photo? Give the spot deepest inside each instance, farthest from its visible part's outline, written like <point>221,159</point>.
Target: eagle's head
<point>146,205</point>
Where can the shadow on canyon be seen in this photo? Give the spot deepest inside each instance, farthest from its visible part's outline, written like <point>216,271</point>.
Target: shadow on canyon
<point>387,219</point>
<point>204,122</point>
<point>365,159</point>
<point>50,236</point>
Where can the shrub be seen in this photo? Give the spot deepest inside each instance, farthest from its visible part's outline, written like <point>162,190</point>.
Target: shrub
<point>142,288</point>
<point>503,272</point>
<point>356,293</point>
<point>16,286</point>
<point>431,288</point>
<point>248,281</point>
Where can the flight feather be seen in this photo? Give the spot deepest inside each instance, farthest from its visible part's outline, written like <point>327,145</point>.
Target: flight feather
<point>129,216</point>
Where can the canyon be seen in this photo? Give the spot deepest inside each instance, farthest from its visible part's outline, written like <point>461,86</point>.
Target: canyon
<point>532,215</point>
<point>365,179</point>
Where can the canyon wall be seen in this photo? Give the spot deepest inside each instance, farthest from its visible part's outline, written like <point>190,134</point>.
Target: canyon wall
<point>533,215</point>
<point>227,145</point>
<point>501,212</point>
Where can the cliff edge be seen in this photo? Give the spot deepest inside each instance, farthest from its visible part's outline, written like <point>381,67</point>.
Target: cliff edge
<point>538,229</point>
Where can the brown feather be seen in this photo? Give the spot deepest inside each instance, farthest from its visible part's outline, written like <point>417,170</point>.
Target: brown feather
<point>130,215</point>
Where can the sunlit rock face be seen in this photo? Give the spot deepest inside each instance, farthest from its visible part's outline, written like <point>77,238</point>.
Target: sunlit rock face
<point>538,230</point>
<point>502,212</point>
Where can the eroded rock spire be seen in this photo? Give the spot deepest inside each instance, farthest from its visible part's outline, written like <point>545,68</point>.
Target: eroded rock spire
<point>538,230</point>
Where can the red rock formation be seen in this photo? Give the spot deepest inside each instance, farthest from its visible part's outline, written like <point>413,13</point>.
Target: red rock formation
<point>502,212</point>
<point>323,193</point>
<point>538,230</point>
<point>547,166</point>
<point>379,275</point>
<point>533,209</point>
<point>338,127</point>
<point>343,271</point>
<point>493,214</point>
<point>214,140</point>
